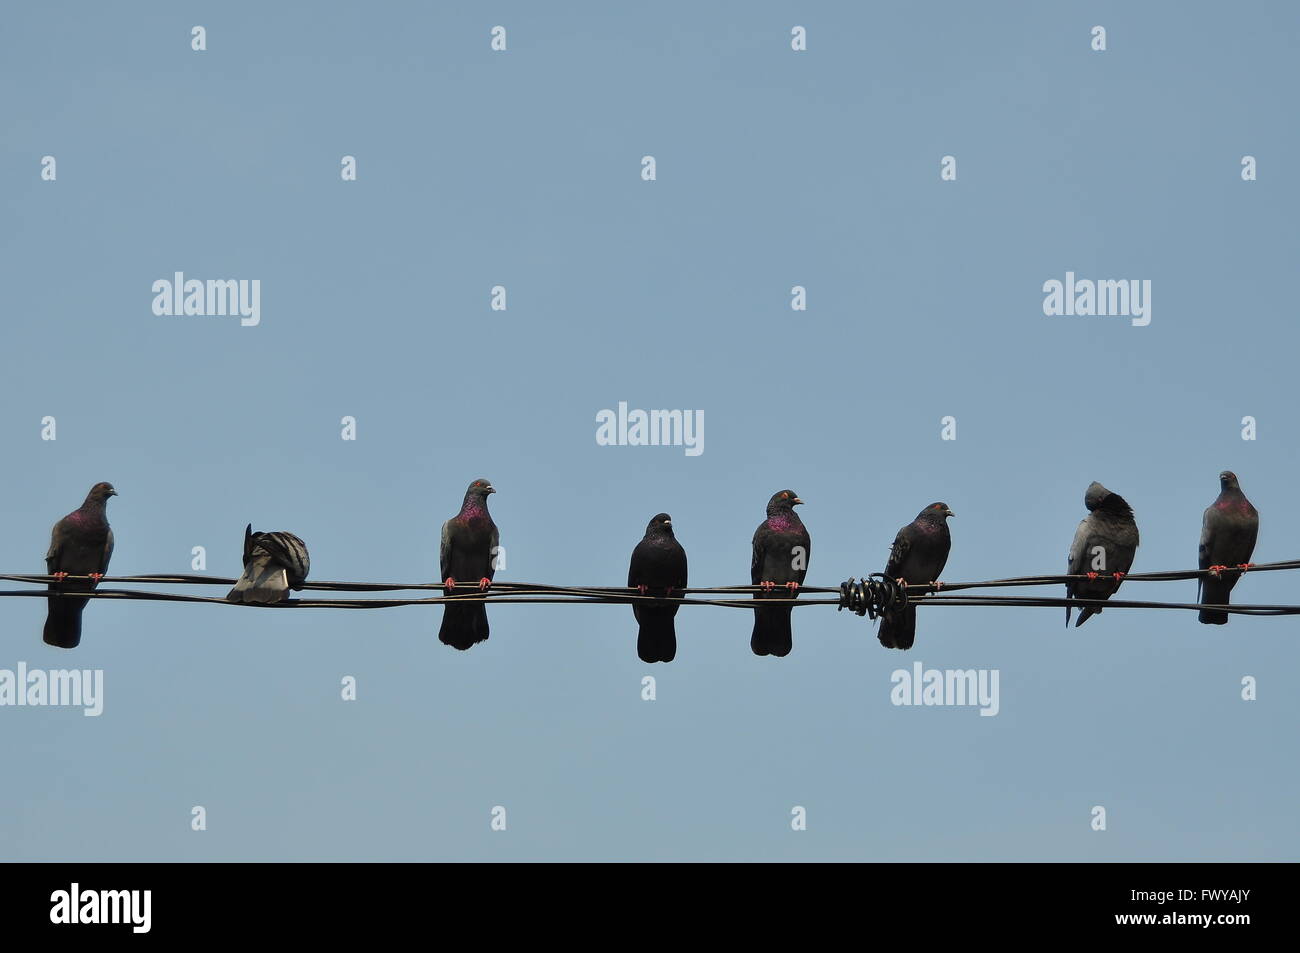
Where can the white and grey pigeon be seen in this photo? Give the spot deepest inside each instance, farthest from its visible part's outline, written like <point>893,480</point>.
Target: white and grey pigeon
<point>1103,549</point>
<point>1228,533</point>
<point>274,563</point>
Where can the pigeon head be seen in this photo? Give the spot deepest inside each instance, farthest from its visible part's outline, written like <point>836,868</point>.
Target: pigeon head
<point>937,512</point>
<point>1100,498</point>
<point>660,524</point>
<point>1095,495</point>
<point>100,492</point>
<point>1228,481</point>
<point>783,501</point>
<point>479,490</point>
<point>474,506</point>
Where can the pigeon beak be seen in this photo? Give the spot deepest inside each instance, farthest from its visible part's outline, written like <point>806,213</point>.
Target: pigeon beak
<point>668,522</point>
<point>491,489</point>
<point>796,502</point>
<point>112,492</point>
<point>949,513</point>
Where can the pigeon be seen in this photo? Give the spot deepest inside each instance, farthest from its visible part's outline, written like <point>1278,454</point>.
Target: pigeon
<point>917,557</point>
<point>469,544</point>
<point>81,544</point>
<point>1103,549</point>
<point>1227,542</point>
<point>658,564</point>
<point>274,563</point>
<point>781,550</point>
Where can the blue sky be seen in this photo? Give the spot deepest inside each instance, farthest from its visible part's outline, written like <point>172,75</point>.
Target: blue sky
<point>522,169</point>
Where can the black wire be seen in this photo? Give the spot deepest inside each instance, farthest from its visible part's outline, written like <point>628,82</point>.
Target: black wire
<point>187,580</point>
<point>1132,577</point>
<point>872,595</point>
<point>389,603</point>
<point>1099,603</point>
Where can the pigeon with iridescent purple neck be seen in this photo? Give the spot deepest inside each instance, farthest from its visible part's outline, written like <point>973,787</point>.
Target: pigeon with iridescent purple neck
<point>81,544</point>
<point>1228,532</point>
<point>919,553</point>
<point>469,547</point>
<point>779,565</point>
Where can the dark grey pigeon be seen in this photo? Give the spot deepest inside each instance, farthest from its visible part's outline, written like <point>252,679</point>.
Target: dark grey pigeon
<point>919,553</point>
<point>658,567</point>
<point>1228,534</point>
<point>1103,548</point>
<point>274,563</point>
<point>469,543</point>
<point>781,550</point>
<point>81,544</point>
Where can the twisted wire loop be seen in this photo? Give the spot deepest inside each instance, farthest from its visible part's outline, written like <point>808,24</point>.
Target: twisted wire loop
<point>872,595</point>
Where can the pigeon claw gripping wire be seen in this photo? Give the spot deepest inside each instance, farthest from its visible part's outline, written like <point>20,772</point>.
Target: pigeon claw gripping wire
<point>792,586</point>
<point>1216,570</point>
<point>1245,567</point>
<point>1118,576</point>
<point>767,586</point>
<point>60,576</point>
<point>95,577</point>
<point>449,584</point>
<point>1091,575</point>
<point>484,583</point>
<point>643,589</point>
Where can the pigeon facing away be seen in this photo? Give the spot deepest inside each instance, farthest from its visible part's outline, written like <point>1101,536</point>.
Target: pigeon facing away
<point>81,544</point>
<point>658,565</point>
<point>919,553</point>
<point>781,550</point>
<point>1103,548</point>
<point>469,543</point>
<point>1228,534</point>
<point>274,563</point>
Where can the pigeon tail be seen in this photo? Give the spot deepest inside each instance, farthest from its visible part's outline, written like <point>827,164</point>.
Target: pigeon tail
<point>262,582</point>
<point>772,635</point>
<point>63,623</point>
<point>463,625</point>
<point>898,630</point>
<point>1214,593</point>
<point>1087,613</point>
<point>656,639</point>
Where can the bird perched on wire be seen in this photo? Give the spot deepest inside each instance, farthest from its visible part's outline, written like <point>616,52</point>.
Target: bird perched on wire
<point>919,553</point>
<point>81,544</point>
<point>782,547</point>
<point>1103,549</point>
<point>1228,532</point>
<point>274,563</point>
<point>658,567</point>
<point>469,546</point>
